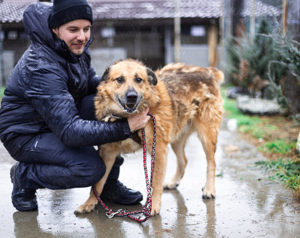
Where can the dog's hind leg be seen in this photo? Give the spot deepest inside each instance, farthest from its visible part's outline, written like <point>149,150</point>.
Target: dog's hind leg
<point>178,148</point>
<point>208,135</point>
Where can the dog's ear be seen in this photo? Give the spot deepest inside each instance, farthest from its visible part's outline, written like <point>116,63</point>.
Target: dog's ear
<point>151,76</point>
<point>105,74</point>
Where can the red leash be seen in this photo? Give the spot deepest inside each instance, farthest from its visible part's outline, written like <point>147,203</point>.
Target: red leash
<point>143,214</point>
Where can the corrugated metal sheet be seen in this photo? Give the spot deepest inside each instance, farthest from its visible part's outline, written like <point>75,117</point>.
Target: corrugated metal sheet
<point>142,9</point>
<point>260,9</point>
<point>12,10</point>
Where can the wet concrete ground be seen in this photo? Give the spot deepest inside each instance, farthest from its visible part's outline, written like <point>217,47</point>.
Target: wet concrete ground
<point>247,203</point>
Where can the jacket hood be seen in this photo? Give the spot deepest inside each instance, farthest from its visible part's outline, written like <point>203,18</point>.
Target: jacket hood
<point>35,20</point>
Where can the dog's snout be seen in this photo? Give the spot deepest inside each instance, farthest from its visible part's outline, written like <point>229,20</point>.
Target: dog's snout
<point>131,97</point>
<point>130,100</point>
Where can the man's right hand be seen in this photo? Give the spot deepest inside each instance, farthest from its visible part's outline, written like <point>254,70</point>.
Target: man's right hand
<point>139,120</point>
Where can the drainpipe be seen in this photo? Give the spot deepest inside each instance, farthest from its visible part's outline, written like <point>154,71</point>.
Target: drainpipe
<point>252,20</point>
<point>177,31</point>
<point>168,45</point>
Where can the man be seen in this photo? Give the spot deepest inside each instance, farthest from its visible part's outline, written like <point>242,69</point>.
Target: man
<point>47,120</point>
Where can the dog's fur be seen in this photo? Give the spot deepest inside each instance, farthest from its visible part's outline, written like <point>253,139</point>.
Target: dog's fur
<point>182,98</point>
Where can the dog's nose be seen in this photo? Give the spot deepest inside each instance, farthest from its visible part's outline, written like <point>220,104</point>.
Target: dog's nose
<point>131,98</point>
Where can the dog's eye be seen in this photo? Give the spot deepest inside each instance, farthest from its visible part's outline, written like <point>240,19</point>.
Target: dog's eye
<point>120,80</point>
<point>138,80</point>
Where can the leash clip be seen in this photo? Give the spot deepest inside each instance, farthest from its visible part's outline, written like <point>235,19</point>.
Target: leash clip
<point>112,214</point>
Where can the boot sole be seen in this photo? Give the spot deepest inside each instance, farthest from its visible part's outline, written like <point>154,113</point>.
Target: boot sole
<point>25,209</point>
<point>19,208</point>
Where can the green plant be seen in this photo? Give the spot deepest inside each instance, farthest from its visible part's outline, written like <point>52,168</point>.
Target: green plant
<point>263,49</point>
<point>246,124</point>
<point>288,55</point>
<point>253,125</point>
<point>278,146</point>
<point>247,59</point>
<point>230,107</point>
<point>286,61</point>
<point>285,170</point>
<point>232,61</point>
<point>1,92</point>
<point>255,55</point>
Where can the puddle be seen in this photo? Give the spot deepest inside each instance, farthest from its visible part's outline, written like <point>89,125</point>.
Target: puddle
<point>247,204</point>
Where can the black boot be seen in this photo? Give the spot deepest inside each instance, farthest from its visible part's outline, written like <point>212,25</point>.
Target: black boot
<point>117,192</point>
<point>23,199</point>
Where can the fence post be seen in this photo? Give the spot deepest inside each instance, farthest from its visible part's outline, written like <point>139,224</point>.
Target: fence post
<point>284,16</point>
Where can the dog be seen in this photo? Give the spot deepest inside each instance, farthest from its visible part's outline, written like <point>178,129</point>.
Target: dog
<point>182,98</point>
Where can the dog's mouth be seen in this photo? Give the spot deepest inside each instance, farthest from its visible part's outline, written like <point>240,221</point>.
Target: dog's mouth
<point>130,101</point>
<point>129,107</point>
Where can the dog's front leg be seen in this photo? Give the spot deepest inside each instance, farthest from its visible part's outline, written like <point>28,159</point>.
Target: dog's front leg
<point>92,201</point>
<point>158,178</point>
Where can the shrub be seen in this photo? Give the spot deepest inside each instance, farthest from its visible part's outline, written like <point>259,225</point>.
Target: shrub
<point>248,58</point>
<point>284,71</point>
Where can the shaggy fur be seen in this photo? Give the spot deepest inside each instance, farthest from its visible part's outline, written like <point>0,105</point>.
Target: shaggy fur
<point>182,98</point>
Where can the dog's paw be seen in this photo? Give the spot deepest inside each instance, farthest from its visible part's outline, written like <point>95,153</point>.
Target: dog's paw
<point>85,208</point>
<point>155,211</point>
<point>170,186</point>
<point>110,118</point>
<point>107,118</point>
<point>208,194</point>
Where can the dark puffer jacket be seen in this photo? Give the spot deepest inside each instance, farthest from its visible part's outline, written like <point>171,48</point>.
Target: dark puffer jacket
<point>45,87</point>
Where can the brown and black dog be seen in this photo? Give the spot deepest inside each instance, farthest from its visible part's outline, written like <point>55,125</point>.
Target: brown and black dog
<point>182,98</point>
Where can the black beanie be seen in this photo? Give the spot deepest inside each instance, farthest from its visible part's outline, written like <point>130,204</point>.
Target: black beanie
<point>64,11</point>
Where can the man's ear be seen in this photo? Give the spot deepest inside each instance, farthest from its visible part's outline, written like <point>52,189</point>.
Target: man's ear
<point>151,77</point>
<point>55,31</point>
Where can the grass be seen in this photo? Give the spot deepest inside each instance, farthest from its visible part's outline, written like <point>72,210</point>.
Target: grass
<point>1,92</point>
<point>278,146</point>
<point>260,129</point>
<point>286,171</point>
<point>256,126</point>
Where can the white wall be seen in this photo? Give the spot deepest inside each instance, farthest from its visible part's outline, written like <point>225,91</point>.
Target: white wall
<point>102,58</point>
<point>8,65</point>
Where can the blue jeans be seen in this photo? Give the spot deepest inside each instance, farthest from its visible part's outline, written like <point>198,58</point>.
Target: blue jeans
<point>45,162</point>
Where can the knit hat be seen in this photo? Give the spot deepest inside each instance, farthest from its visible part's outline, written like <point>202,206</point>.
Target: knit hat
<point>64,11</point>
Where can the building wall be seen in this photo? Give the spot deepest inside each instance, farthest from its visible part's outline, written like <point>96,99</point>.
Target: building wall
<point>104,57</point>
<point>143,43</point>
<point>6,65</point>
<point>14,43</point>
<point>151,44</point>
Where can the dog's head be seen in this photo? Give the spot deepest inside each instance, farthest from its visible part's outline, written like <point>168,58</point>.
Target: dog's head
<point>128,83</point>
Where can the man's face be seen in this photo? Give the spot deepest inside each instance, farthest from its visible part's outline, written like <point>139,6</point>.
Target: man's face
<point>75,34</point>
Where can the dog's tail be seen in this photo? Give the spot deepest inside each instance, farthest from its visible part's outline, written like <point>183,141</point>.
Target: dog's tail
<point>218,74</point>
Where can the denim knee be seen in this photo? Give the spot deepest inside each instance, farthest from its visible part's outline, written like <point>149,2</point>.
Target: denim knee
<point>97,172</point>
<point>88,174</point>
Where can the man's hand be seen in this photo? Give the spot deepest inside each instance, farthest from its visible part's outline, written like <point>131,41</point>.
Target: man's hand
<point>139,120</point>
